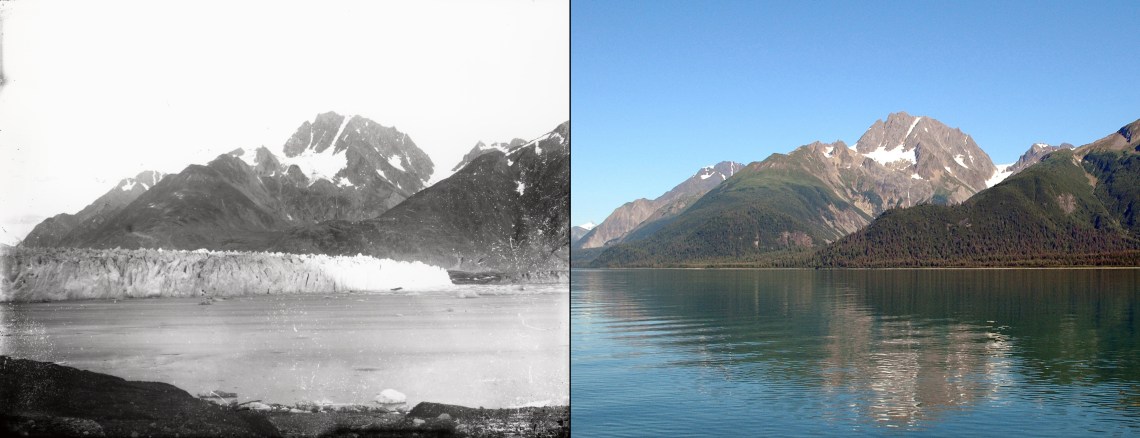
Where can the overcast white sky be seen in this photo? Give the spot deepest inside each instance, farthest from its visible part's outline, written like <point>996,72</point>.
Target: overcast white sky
<point>98,91</point>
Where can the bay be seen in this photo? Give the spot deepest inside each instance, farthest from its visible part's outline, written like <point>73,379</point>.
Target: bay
<point>1038,352</point>
<point>507,347</point>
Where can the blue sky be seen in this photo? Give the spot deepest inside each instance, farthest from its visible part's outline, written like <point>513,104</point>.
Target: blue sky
<point>659,89</point>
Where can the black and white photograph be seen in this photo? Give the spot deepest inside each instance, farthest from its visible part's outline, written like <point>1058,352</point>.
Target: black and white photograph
<point>343,218</point>
<point>354,218</point>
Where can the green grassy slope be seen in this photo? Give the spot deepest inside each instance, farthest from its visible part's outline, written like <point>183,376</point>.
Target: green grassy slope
<point>761,214</point>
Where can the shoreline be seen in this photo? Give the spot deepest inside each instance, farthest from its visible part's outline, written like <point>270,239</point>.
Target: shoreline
<point>903,268</point>
<point>46,399</point>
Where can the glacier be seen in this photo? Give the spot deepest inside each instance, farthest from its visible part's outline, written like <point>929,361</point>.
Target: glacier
<point>56,274</point>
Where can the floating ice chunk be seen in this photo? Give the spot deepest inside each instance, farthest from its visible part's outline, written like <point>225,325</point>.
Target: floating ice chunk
<point>533,404</point>
<point>391,396</point>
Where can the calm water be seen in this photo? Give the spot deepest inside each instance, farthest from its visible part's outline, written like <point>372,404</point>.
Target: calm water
<point>498,350</point>
<point>802,352</point>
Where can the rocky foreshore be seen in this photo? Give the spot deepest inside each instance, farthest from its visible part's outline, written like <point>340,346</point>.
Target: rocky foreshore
<point>54,274</point>
<point>44,399</point>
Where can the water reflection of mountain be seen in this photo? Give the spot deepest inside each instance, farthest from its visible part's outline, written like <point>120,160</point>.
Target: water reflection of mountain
<point>895,348</point>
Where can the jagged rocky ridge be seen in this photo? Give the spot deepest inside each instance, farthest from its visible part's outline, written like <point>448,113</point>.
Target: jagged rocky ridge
<point>53,274</point>
<point>505,212</point>
<point>814,195</point>
<point>1074,207</point>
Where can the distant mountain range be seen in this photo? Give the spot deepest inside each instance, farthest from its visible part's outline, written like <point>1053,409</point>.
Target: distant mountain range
<point>781,210</point>
<point>339,173</point>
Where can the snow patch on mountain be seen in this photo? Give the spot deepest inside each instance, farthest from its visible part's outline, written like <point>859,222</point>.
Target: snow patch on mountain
<point>1003,172</point>
<point>960,160</point>
<point>395,162</point>
<point>521,188</point>
<point>314,165</point>
<point>588,226</point>
<point>885,156</point>
<point>908,131</point>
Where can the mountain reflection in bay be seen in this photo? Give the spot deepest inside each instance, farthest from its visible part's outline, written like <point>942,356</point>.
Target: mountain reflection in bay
<point>1047,352</point>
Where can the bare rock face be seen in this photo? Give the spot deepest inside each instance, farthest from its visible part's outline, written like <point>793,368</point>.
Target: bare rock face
<point>1034,155</point>
<point>618,223</point>
<point>943,161</point>
<point>347,151</point>
<point>632,215</point>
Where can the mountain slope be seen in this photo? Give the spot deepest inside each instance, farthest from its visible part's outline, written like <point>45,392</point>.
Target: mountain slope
<point>577,231</point>
<point>515,220</point>
<point>1074,207</point>
<point>63,228</point>
<point>632,215</point>
<point>481,148</point>
<point>761,209</point>
<point>789,204</point>
<point>333,168</point>
<point>813,195</point>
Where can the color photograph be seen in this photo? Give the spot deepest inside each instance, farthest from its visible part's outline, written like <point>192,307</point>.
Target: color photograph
<point>855,218</point>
